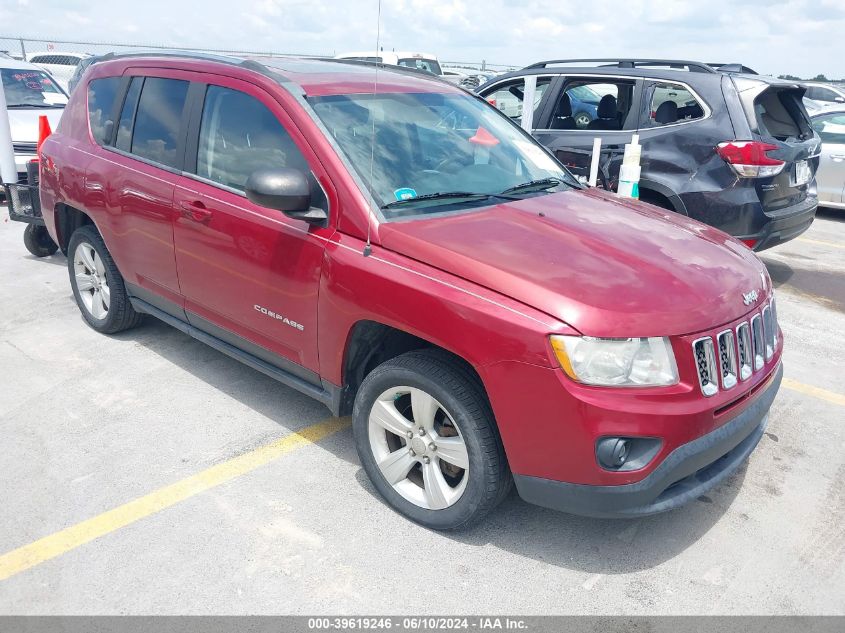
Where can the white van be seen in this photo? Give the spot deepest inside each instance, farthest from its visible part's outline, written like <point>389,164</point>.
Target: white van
<point>30,92</point>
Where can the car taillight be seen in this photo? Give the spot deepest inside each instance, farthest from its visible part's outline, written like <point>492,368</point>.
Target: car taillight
<point>749,159</point>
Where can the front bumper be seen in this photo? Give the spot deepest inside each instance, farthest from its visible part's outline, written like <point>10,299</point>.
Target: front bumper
<point>686,473</point>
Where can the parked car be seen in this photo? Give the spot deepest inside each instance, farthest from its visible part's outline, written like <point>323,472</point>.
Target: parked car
<point>420,61</point>
<point>59,64</point>
<point>439,276</point>
<point>829,123</point>
<point>30,92</point>
<point>825,92</point>
<point>732,149</point>
<point>80,69</point>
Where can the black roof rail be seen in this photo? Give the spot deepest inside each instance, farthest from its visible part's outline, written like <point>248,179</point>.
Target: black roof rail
<point>700,67</point>
<point>734,68</point>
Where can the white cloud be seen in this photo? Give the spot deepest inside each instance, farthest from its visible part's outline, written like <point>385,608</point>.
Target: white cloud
<point>800,37</point>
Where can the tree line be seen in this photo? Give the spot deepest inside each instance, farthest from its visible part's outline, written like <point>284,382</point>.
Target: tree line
<point>820,78</point>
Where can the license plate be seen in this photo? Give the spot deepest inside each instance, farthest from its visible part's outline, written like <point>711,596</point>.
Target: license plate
<point>802,173</point>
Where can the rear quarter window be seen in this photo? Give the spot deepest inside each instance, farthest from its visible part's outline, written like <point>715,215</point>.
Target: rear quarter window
<point>101,96</point>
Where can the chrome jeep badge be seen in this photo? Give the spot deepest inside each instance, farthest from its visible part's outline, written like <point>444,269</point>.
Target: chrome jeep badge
<point>749,297</point>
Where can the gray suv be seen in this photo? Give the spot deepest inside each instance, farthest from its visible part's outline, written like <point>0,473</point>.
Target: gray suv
<point>720,143</point>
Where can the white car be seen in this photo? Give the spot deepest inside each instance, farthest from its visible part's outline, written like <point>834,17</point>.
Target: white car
<point>825,93</point>
<point>830,177</point>
<point>60,65</point>
<point>420,61</point>
<point>30,92</point>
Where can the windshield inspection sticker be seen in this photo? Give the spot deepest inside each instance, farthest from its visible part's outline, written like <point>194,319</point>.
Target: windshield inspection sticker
<point>405,193</point>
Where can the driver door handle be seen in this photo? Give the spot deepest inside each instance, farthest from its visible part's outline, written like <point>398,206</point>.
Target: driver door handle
<point>195,210</point>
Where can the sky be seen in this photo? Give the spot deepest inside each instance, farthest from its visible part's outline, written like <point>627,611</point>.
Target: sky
<point>800,37</point>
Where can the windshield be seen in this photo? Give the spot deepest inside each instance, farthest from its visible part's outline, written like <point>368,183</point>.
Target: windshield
<point>428,144</point>
<point>31,88</point>
<point>430,65</point>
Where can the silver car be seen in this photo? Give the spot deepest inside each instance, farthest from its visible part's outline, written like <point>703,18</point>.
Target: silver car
<point>830,178</point>
<point>30,92</point>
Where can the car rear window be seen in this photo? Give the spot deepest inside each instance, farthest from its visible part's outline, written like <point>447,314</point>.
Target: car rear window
<point>101,96</point>
<point>428,65</point>
<point>780,114</point>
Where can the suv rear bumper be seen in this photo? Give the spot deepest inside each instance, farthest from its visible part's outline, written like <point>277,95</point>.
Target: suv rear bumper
<point>785,224</point>
<point>686,473</point>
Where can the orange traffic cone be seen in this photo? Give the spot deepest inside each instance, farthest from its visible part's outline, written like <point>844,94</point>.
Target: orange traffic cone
<point>43,132</point>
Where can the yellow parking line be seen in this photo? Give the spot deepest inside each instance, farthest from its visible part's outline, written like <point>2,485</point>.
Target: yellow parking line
<point>816,392</point>
<point>820,242</point>
<point>59,543</point>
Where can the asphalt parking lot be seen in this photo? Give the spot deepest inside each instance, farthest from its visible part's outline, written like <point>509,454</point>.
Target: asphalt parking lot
<point>149,474</point>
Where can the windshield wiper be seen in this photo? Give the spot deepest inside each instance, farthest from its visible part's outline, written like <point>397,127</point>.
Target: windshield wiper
<point>539,185</point>
<point>443,195</point>
<point>17,106</point>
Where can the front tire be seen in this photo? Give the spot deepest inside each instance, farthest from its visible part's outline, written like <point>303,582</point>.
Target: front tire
<point>97,285</point>
<point>38,241</point>
<point>427,439</point>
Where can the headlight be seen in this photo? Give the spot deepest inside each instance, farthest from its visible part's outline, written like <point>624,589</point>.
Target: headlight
<point>618,362</point>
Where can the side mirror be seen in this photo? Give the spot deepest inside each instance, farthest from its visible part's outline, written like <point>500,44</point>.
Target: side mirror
<point>840,99</point>
<point>286,190</point>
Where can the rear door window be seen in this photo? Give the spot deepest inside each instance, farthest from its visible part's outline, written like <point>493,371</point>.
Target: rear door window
<point>159,119</point>
<point>101,96</point>
<point>593,104</point>
<point>508,97</point>
<point>671,103</point>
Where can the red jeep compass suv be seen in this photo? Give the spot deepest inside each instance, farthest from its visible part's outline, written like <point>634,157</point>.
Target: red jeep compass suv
<point>401,251</point>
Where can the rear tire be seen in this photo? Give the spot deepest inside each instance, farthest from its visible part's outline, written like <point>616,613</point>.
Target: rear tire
<point>38,241</point>
<point>97,285</point>
<point>428,441</point>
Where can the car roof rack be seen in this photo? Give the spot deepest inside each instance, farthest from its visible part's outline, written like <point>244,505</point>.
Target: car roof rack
<point>680,64</point>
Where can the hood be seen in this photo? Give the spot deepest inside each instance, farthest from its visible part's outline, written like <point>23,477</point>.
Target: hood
<point>604,266</point>
<point>24,123</point>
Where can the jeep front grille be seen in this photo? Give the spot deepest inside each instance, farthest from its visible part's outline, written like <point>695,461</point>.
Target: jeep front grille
<point>757,342</point>
<point>734,355</point>
<point>743,340</point>
<point>727,358</point>
<point>705,361</point>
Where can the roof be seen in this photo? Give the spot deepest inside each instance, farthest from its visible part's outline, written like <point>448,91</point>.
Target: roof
<point>8,62</point>
<point>660,69</point>
<point>318,76</point>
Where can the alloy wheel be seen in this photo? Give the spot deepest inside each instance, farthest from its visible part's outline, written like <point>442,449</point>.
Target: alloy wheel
<point>418,447</point>
<point>91,281</point>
